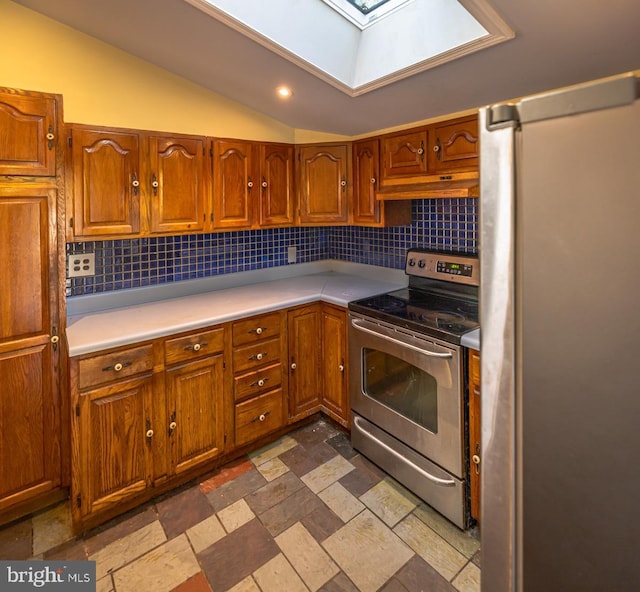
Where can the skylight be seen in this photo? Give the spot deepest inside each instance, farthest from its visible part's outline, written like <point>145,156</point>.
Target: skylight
<point>360,45</point>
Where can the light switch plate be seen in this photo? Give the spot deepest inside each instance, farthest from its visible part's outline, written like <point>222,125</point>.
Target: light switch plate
<point>81,264</point>
<point>291,255</point>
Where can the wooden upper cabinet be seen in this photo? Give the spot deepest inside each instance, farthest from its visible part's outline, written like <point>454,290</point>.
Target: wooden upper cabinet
<point>405,153</point>
<point>276,185</point>
<point>366,158</point>
<point>236,185</point>
<point>324,184</point>
<point>454,145</point>
<point>366,209</point>
<point>30,428</point>
<point>424,154</point>
<point>106,182</point>
<point>28,135</point>
<point>178,183</point>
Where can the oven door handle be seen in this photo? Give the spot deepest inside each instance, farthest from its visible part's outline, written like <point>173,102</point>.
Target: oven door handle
<point>414,466</point>
<point>426,352</point>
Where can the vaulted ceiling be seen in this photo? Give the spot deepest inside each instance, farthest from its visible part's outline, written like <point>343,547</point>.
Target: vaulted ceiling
<point>556,43</point>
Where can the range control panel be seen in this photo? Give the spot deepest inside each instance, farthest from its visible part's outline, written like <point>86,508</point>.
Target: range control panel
<point>451,267</point>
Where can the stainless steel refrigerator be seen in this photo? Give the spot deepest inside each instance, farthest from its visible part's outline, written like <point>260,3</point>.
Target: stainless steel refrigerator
<point>560,359</point>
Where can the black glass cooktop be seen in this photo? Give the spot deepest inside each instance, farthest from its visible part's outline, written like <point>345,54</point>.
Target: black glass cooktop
<point>443,316</point>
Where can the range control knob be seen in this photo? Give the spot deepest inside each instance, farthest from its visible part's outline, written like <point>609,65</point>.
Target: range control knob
<point>421,264</point>
<point>412,262</point>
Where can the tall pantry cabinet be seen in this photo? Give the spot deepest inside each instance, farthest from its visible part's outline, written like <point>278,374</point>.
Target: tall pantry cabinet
<point>32,439</point>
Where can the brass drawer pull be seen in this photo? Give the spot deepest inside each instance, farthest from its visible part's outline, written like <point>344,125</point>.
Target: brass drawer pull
<point>260,382</point>
<point>258,356</point>
<point>260,417</point>
<point>117,366</point>
<point>258,330</point>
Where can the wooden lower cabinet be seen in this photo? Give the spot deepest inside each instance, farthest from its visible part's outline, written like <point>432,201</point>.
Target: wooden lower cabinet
<point>304,325</point>
<point>143,416</point>
<point>259,378</point>
<point>195,407</point>
<point>148,416</point>
<point>32,445</point>
<point>318,362</point>
<point>474,432</point>
<point>335,394</point>
<point>113,441</point>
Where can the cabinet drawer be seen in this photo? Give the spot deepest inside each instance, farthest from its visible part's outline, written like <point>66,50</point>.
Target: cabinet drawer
<point>115,365</point>
<point>259,416</point>
<point>195,345</point>
<point>256,355</point>
<point>255,328</point>
<point>253,383</point>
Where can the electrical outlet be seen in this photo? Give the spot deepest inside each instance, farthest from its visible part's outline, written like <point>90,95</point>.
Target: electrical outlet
<point>291,255</point>
<point>81,264</point>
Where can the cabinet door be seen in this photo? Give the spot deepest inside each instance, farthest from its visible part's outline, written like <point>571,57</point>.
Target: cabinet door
<point>178,184</point>
<point>455,145</point>
<point>366,155</point>
<point>335,394</point>
<point>30,438</point>
<point>29,131</point>
<point>235,184</point>
<point>324,184</point>
<point>195,405</point>
<point>305,377</point>
<point>404,153</point>
<point>113,439</point>
<point>474,432</point>
<point>106,182</point>
<point>276,185</point>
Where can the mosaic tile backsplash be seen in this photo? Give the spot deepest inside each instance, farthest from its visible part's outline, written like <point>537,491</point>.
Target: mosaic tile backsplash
<point>445,224</point>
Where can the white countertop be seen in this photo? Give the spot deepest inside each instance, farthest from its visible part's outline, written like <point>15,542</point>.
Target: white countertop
<point>95,331</point>
<point>471,340</point>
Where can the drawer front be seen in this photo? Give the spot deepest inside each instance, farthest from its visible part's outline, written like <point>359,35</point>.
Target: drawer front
<point>115,365</point>
<point>193,346</point>
<point>255,328</point>
<point>259,416</point>
<point>259,381</point>
<point>255,355</point>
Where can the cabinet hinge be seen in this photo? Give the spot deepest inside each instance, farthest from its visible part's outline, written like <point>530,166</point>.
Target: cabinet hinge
<point>70,222</point>
<point>225,439</point>
<point>211,217</point>
<point>70,141</point>
<point>224,365</point>
<point>79,501</point>
<point>77,410</point>
<point>211,152</point>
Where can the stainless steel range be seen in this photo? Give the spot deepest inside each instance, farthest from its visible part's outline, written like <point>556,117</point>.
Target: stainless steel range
<point>407,378</point>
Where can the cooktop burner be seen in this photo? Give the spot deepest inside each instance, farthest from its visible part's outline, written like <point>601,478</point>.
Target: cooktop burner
<point>441,300</point>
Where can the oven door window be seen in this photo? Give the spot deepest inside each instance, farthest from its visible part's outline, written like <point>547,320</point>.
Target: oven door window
<point>402,387</point>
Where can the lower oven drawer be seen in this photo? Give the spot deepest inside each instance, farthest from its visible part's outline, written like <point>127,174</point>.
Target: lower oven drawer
<point>435,486</point>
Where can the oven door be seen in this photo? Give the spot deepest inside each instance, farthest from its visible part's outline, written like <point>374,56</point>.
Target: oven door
<point>410,387</point>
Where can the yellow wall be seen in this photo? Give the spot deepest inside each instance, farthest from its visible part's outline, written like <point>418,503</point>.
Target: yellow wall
<point>103,85</point>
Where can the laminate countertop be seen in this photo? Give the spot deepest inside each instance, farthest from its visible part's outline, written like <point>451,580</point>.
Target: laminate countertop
<point>95,331</point>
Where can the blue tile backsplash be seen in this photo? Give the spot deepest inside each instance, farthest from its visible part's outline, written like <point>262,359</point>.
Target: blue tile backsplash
<point>445,224</point>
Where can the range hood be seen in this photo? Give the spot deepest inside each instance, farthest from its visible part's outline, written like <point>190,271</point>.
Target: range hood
<point>465,184</point>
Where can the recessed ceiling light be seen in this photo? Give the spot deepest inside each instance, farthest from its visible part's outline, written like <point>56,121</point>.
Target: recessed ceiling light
<point>284,92</point>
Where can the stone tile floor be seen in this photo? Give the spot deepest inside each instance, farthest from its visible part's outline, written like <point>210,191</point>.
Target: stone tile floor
<point>304,513</point>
